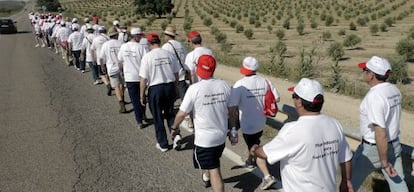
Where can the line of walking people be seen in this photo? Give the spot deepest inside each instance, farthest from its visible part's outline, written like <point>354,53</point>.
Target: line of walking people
<point>156,74</point>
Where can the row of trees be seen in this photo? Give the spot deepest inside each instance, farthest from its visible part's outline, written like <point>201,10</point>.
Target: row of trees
<point>154,7</point>
<point>49,5</point>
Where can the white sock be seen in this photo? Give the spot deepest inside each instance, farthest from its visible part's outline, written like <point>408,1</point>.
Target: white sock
<point>205,177</point>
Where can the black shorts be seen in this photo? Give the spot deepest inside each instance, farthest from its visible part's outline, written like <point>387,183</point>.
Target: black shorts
<point>252,139</point>
<point>39,35</point>
<point>207,158</point>
<point>182,88</point>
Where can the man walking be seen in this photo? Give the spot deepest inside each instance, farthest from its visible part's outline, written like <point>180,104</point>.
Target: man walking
<point>75,44</point>
<point>96,46</point>
<point>179,51</point>
<point>247,96</point>
<point>159,71</point>
<point>195,40</point>
<point>309,149</point>
<point>208,100</point>
<point>86,51</point>
<point>109,56</point>
<point>380,114</point>
<point>130,56</point>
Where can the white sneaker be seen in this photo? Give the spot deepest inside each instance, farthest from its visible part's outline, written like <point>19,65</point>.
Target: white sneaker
<point>267,182</point>
<point>176,142</point>
<point>96,82</point>
<point>160,148</point>
<point>37,45</point>
<point>43,45</point>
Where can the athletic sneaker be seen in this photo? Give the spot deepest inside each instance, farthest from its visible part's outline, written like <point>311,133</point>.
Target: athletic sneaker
<point>206,180</point>
<point>160,148</point>
<point>37,45</point>
<point>267,182</point>
<point>141,125</point>
<point>96,82</point>
<point>177,142</point>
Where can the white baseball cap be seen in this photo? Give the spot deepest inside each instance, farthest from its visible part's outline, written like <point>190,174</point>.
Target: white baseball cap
<point>307,89</point>
<point>377,65</point>
<point>74,20</point>
<point>116,22</point>
<point>101,28</point>
<point>136,31</point>
<point>75,27</point>
<point>249,66</point>
<point>89,27</point>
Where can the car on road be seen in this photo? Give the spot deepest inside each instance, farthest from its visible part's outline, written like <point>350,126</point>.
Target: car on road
<point>7,26</point>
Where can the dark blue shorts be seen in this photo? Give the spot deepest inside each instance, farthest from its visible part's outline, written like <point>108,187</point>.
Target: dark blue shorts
<point>207,158</point>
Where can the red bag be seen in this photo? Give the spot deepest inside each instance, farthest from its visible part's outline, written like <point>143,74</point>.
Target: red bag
<point>270,107</point>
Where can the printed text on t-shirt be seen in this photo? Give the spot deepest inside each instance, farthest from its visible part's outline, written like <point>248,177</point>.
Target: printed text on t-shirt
<point>214,98</point>
<point>325,148</point>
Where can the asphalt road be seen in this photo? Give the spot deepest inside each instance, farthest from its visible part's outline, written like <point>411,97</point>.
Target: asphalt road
<point>59,132</point>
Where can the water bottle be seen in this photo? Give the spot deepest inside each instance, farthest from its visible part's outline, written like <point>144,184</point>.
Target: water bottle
<point>234,137</point>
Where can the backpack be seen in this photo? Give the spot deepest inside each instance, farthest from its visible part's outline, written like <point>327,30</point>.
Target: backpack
<point>269,101</point>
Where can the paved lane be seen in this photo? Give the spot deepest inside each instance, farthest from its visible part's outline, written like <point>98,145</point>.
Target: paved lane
<point>58,132</point>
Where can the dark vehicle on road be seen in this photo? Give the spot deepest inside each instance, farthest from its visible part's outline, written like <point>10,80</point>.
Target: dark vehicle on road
<point>7,26</point>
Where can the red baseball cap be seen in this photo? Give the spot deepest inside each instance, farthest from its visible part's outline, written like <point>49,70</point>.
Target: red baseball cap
<point>193,34</point>
<point>206,65</point>
<point>152,36</point>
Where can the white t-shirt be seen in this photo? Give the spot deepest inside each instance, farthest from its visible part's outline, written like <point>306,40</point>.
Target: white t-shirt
<point>86,45</point>
<point>381,106</point>
<point>109,53</point>
<point>182,53</point>
<point>55,30</point>
<point>144,41</point>
<point>76,39</point>
<point>248,94</point>
<point>37,28</point>
<point>158,66</point>
<point>63,34</point>
<point>309,150</point>
<point>192,57</point>
<point>83,30</point>
<point>208,99</point>
<point>97,43</point>
<point>131,54</point>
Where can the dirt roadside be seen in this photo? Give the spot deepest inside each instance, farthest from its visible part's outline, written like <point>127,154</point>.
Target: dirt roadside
<point>343,108</point>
